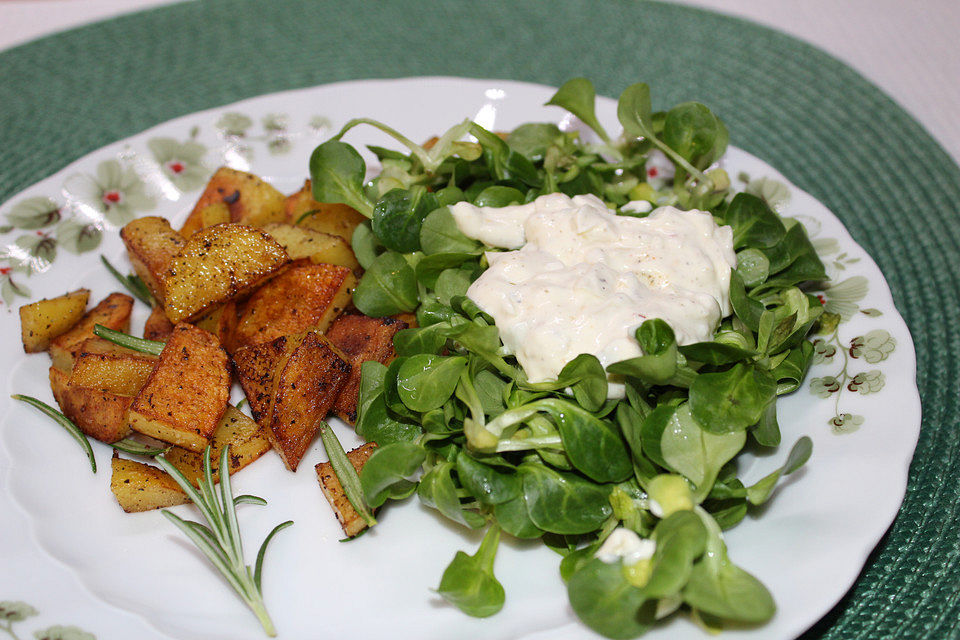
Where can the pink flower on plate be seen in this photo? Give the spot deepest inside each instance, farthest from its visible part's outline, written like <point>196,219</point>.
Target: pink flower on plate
<point>181,162</point>
<point>115,191</point>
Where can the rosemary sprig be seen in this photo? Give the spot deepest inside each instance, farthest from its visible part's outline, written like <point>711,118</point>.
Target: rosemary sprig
<point>219,539</point>
<point>64,422</point>
<point>153,347</point>
<point>132,283</point>
<point>346,474</point>
<point>135,447</point>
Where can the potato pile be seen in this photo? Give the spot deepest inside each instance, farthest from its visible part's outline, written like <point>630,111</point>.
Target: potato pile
<point>251,289</point>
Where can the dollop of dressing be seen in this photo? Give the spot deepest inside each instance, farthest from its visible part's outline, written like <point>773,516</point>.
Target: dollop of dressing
<point>581,279</point>
<point>624,544</point>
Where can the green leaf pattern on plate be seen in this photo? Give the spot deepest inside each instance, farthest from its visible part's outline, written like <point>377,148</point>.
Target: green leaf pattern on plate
<point>841,302</point>
<point>59,632</point>
<point>77,235</point>
<point>34,213</point>
<point>831,350</point>
<point>233,124</point>
<point>12,611</point>
<point>238,130</point>
<point>773,192</point>
<point>16,611</point>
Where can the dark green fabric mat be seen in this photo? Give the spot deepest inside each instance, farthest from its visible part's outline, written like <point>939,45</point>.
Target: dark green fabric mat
<point>829,130</point>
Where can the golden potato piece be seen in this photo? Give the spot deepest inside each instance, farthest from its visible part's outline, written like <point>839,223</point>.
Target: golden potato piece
<point>216,213</point>
<point>152,244</point>
<point>336,219</point>
<point>247,199</point>
<point>216,265</point>
<point>256,368</point>
<point>348,517</point>
<point>117,370</point>
<point>44,320</point>
<point>318,247</point>
<point>141,487</point>
<point>306,388</point>
<point>221,322</point>
<point>187,393</point>
<point>158,325</point>
<point>302,298</point>
<point>236,430</point>
<point>99,414</point>
<point>112,312</point>
<point>361,338</point>
<point>333,218</point>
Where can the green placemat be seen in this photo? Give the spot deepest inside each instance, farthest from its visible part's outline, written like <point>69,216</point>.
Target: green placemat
<point>829,130</point>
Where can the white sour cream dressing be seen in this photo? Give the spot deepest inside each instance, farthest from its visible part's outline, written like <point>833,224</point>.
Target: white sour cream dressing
<point>581,279</point>
<point>624,544</point>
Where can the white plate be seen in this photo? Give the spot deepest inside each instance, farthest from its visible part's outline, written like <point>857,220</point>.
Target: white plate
<point>808,546</point>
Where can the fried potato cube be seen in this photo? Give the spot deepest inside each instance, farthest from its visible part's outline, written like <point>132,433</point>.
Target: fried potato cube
<point>306,388</point>
<point>121,371</point>
<point>216,213</point>
<point>302,298</point>
<point>158,325</point>
<point>318,247</point>
<point>99,414</point>
<point>221,322</point>
<point>257,367</point>
<point>333,218</point>
<point>248,200</point>
<point>152,244</point>
<point>361,338</point>
<point>216,265</point>
<point>141,487</point>
<point>44,320</point>
<point>112,312</point>
<point>187,392</point>
<point>236,430</point>
<point>348,517</point>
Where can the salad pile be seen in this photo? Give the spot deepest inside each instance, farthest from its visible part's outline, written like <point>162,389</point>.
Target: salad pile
<point>633,492</point>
